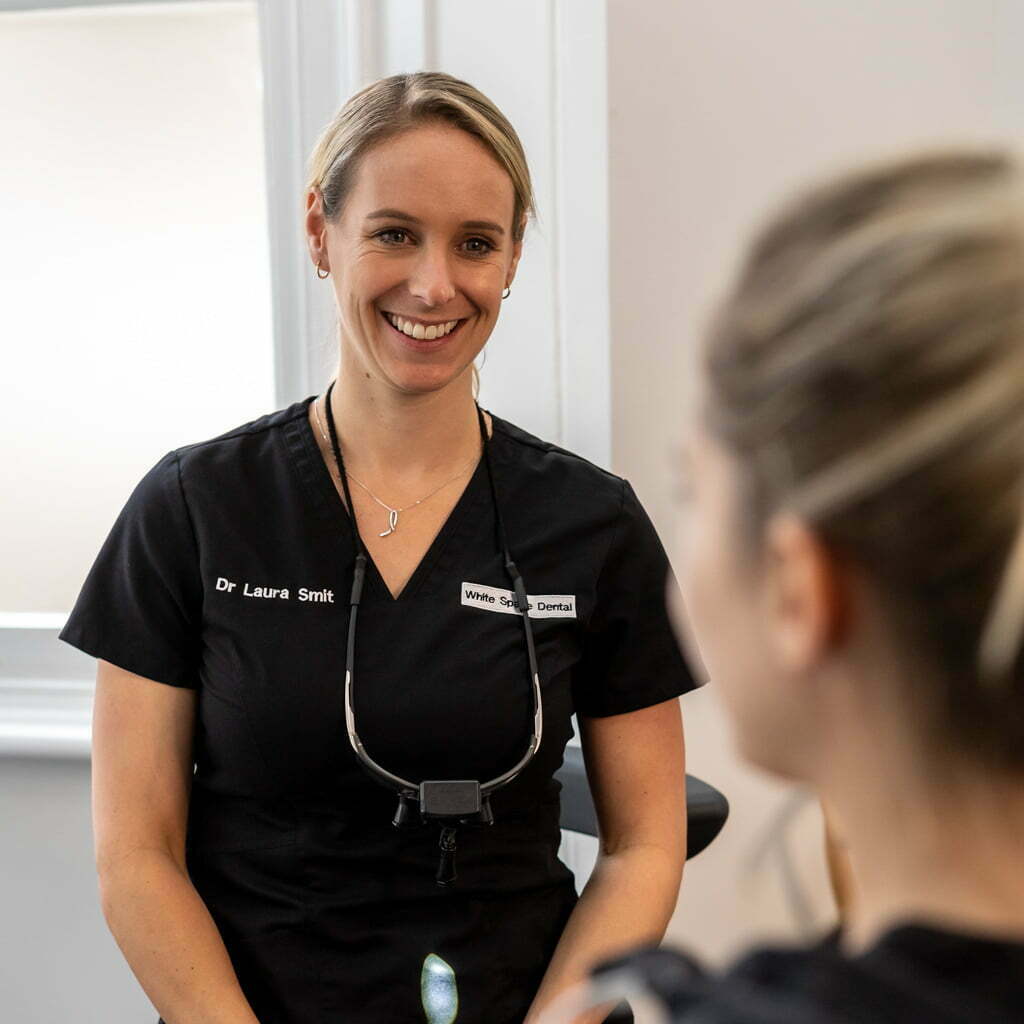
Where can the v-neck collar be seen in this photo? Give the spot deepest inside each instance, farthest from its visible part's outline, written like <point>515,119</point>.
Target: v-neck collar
<point>329,503</point>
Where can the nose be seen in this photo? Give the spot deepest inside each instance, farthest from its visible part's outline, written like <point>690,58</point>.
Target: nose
<point>431,278</point>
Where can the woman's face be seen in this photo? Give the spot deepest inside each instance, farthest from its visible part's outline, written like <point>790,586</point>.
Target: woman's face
<point>729,618</point>
<point>423,246</point>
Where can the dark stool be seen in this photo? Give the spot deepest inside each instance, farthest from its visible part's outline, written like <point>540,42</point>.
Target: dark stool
<point>706,807</point>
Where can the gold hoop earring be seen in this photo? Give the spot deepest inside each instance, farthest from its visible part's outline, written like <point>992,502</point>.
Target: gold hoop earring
<point>324,275</point>
<point>507,292</point>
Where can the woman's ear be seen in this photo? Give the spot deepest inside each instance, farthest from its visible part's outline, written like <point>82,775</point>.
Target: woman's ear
<point>517,251</point>
<point>315,225</point>
<point>804,593</point>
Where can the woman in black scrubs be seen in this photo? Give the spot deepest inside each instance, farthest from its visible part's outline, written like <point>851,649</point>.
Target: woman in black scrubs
<point>857,581</point>
<point>331,597</point>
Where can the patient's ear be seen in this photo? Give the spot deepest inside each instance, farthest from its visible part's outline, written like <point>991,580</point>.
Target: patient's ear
<point>804,600</point>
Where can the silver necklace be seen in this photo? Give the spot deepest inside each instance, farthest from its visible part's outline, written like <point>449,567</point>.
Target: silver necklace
<point>392,512</point>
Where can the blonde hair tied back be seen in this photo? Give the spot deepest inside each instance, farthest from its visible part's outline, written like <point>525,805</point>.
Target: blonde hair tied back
<point>867,370</point>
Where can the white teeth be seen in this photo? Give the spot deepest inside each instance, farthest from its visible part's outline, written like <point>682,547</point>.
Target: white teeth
<point>419,331</point>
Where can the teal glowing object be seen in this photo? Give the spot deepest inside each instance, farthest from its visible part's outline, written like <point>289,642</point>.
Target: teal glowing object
<point>438,991</point>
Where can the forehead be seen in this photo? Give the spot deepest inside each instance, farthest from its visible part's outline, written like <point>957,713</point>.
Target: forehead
<point>434,169</point>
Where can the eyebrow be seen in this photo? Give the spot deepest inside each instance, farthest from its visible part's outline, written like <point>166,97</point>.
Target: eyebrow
<point>391,214</point>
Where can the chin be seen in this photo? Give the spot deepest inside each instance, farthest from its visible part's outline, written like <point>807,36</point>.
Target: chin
<point>769,753</point>
<point>422,375</point>
<point>420,379</point>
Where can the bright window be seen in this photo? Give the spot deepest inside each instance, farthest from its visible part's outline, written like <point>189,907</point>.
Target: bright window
<point>135,265</point>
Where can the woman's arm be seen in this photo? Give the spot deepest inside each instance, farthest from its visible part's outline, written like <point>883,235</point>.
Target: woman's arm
<point>637,771</point>
<point>141,782</point>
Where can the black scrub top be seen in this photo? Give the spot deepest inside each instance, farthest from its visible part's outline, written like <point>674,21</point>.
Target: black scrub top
<point>229,571</point>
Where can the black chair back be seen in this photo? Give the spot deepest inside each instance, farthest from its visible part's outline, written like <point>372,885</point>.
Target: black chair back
<point>706,808</point>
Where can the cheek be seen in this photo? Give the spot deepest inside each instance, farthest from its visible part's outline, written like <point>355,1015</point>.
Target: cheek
<point>732,640</point>
<point>722,618</point>
<point>370,279</point>
<point>367,285</point>
<point>483,286</point>
<point>705,585</point>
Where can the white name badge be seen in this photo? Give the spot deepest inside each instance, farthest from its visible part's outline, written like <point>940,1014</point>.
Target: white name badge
<point>542,606</point>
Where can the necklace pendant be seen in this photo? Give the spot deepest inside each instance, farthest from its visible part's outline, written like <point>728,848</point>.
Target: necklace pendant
<point>392,522</point>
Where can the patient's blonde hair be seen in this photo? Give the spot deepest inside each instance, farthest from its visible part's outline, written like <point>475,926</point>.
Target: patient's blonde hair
<point>867,368</point>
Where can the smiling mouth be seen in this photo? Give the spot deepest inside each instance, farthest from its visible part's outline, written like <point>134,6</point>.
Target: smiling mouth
<point>419,331</point>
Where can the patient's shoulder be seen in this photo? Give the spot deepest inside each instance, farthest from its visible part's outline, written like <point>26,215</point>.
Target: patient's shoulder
<point>913,973</point>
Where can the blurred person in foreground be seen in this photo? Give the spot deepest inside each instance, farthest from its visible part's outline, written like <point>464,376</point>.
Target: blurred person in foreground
<point>852,556</point>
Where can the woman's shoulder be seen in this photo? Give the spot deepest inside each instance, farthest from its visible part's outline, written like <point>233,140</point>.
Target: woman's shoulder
<point>253,432</point>
<point>545,461</point>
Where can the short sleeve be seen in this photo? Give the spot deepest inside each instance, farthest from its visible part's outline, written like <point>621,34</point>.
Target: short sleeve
<point>141,604</point>
<point>631,658</point>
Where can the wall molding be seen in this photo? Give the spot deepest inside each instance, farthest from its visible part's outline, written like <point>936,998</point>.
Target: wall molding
<point>46,689</point>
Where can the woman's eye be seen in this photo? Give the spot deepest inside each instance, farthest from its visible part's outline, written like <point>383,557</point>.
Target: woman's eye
<point>386,235</point>
<point>480,246</point>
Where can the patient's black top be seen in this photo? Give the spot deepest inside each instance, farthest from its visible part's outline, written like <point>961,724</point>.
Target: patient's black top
<point>915,973</point>
<point>229,571</point>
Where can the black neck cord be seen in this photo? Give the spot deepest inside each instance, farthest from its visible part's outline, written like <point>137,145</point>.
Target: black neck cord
<point>406,790</point>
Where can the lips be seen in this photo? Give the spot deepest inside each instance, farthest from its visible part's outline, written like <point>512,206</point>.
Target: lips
<point>423,344</point>
<point>420,329</point>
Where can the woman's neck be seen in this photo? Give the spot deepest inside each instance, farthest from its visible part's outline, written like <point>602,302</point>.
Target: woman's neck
<point>404,439</point>
<point>942,848</point>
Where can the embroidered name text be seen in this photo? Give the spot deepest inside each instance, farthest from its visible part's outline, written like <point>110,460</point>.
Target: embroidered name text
<point>322,596</point>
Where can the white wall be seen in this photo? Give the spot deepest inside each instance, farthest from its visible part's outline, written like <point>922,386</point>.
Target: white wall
<point>715,106</point>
